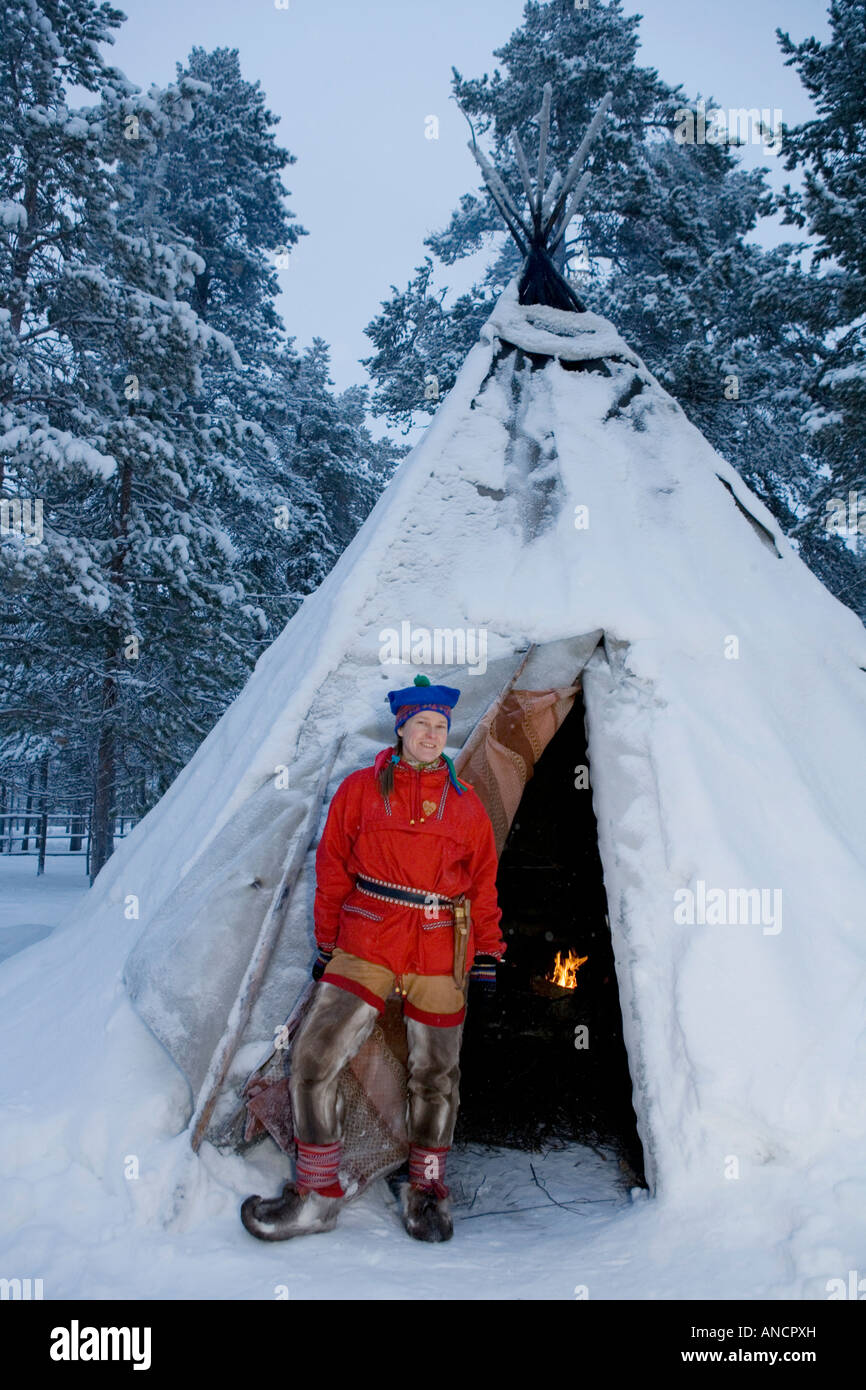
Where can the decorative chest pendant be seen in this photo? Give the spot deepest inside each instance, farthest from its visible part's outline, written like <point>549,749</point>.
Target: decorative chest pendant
<point>428,807</point>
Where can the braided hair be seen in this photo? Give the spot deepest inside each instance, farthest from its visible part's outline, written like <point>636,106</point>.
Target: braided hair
<point>386,776</point>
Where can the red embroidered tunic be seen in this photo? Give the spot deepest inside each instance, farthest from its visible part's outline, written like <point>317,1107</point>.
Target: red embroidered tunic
<point>446,846</point>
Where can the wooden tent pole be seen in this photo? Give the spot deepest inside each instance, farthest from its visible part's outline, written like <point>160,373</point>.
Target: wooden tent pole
<point>259,960</point>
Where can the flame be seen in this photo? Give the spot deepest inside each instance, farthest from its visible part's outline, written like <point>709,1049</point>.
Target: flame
<point>565,971</point>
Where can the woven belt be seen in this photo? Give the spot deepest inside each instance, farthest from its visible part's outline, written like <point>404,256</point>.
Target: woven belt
<point>400,893</point>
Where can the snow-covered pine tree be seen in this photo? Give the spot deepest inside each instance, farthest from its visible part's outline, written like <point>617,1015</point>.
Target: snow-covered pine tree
<point>333,469</point>
<point>216,181</point>
<point>118,671</point>
<point>830,150</point>
<point>659,248</point>
<point>100,366</point>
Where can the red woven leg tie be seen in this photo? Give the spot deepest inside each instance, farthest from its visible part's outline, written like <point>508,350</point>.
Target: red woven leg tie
<point>317,1167</point>
<point>427,1169</point>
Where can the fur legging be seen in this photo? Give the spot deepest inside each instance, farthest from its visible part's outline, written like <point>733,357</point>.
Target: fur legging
<point>332,1032</point>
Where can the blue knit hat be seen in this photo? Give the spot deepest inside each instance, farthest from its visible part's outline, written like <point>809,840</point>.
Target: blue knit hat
<point>422,695</point>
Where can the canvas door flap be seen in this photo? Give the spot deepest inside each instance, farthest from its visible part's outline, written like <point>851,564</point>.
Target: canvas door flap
<point>499,756</point>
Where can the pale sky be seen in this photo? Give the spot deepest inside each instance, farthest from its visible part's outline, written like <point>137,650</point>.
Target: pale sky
<point>353,85</point>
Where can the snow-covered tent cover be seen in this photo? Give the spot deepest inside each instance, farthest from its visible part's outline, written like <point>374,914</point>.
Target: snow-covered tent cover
<point>560,500</point>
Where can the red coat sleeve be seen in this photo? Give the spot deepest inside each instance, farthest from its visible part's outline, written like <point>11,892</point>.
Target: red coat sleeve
<point>486,913</point>
<point>333,881</point>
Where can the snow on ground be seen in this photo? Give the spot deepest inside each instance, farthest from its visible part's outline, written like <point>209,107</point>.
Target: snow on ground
<point>86,1166</point>
<point>31,905</point>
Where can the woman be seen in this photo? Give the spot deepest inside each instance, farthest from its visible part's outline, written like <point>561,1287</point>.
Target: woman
<point>403,839</point>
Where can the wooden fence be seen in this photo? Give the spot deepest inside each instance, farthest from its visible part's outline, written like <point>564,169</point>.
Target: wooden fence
<point>43,824</point>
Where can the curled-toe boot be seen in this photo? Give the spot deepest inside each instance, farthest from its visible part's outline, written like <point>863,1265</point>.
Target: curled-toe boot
<point>294,1213</point>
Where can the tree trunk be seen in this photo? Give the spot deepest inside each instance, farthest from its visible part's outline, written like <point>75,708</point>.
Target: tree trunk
<point>43,816</point>
<point>102,834</point>
<point>201,294</point>
<point>76,832</point>
<point>12,817</point>
<point>102,825</point>
<point>28,822</point>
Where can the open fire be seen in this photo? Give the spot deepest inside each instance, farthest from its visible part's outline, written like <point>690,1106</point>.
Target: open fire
<point>564,972</point>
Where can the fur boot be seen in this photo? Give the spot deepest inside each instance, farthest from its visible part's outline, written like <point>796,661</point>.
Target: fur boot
<point>427,1213</point>
<point>291,1214</point>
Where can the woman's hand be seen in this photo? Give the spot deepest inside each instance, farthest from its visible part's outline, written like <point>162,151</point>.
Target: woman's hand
<point>319,964</point>
<point>483,976</point>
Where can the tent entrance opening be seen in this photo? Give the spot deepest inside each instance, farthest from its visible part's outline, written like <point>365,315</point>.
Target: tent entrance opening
<point>544,1063</point>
